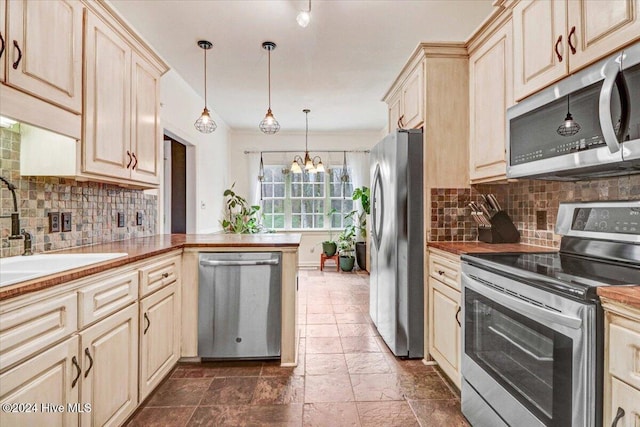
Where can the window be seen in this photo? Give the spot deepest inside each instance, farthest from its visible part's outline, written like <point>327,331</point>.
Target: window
<point>302,201</point>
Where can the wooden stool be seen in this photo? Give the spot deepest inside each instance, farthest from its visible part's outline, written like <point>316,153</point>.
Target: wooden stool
<point>335,259</point>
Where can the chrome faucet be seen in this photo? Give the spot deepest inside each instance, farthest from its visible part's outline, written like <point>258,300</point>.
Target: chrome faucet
<point>15,215</point>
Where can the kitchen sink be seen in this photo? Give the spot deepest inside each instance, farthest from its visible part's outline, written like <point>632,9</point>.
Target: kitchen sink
<point>21,268</point>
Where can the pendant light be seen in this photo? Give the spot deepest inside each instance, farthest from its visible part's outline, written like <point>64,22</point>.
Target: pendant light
<point>570,127</point>
<point>311,165</point>
<point>205,123</point>
<point>269,124</point>
<point>304,17</point>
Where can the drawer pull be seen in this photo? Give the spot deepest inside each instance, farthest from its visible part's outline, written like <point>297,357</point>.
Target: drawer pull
<point>165,275</point>
<point>15,64</point>
<point>86,351</point>
<point>148,324</point>
<point>130,159</point>
<point>572,33</point>
<point>74,361</point>
<point>618,417</point>
<point>458,314</point>
<point>136,160</point>
<point>556,48</point>
<point>441,272</point>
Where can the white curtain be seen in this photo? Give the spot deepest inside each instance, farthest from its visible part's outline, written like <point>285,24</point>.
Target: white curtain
<point>253,168</point>
<point>359,165</point>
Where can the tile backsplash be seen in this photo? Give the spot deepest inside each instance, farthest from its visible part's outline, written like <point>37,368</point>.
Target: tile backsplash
<point>522,200</point>
<point>93,206</point>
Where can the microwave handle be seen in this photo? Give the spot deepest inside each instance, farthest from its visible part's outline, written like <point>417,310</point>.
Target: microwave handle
<point>613,78</point>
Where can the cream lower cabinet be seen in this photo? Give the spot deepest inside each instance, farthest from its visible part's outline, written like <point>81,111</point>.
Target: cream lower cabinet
<point>159,337</point>
<point>444,313</point>
<point>110,368</point>
<point>42,385</point>
<point>621,365</point>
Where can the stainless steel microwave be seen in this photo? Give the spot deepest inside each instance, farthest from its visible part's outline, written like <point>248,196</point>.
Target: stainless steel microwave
<point>585,126</point>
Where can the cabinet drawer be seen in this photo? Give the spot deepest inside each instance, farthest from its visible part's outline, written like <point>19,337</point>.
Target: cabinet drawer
<point>157,275</point>
<point>106,296</point>
<point>445,270</point>
<point>627,398</point>
<point>27,330</point>
<point>624,354</point>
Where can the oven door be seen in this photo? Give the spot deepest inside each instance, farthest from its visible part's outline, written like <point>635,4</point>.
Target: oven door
<point>526,352</point>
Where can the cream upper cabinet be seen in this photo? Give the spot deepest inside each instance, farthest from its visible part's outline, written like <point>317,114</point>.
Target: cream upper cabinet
<point>51,377</point>
<point>3,38</point>
<point>107,129</point>
<point>109,352</point>
<point>394,113</point>
<point>490,94</point>
<point>159,336</point>
<point>412,114</point>
<point>146,132</point>
<point>555,38</point>
<point>43,47</point>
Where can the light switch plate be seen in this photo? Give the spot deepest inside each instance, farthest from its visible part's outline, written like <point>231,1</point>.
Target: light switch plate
<point>66,221</point>
<point>54,222</point>
<point>120,219</point>
<point>139,216</point>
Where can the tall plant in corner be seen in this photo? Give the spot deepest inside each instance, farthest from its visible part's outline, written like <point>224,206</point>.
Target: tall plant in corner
<point>239,217</point>
<point>360,218</point>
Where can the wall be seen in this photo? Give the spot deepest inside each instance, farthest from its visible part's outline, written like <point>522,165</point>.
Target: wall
<point>450,215</point>
<point>310,248</point>
<point>207,154</point>
<point>94,207</point>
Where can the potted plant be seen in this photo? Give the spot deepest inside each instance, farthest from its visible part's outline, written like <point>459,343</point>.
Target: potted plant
<point>346,245</point>
<point>360,219</point>
<point>239,217</point>
<point>329,247</point>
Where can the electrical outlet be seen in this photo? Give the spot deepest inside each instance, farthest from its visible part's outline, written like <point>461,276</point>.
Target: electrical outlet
<point>541,220</point>
<point>66,221</point>
<point>120,219</point>
<point>54,222</point>
<point>139,216</point>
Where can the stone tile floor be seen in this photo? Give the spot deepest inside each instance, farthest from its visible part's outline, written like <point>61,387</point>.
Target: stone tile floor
<point>346,376</point>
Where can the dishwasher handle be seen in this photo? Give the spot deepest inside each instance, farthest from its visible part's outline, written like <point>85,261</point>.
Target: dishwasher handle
<point>216,263</point>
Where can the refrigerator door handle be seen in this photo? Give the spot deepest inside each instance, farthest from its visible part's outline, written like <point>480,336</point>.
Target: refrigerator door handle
<point>378,197</point>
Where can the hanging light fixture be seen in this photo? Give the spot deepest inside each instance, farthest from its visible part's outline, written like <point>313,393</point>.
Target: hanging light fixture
<point>570,127</point>
<point>304,17</point>
<point>311,165</point>
<point>205,123</point>
<point>269,124</point>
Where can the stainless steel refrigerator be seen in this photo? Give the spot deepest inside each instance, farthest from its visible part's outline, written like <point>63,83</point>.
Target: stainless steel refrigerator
<point>397,242</point>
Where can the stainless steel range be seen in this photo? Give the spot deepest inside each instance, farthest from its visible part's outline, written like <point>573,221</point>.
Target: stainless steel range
<point>533,329</point>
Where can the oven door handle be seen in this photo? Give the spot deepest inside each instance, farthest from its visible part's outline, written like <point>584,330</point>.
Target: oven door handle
<point>521,306</point>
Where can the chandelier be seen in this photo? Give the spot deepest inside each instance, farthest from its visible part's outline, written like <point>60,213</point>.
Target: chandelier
<point>311,165</point>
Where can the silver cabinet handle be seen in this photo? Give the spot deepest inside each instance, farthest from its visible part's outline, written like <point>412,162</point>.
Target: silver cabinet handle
<point>214,263</point>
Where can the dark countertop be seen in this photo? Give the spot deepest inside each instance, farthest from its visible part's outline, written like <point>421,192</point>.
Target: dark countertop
<point>461,248</point>
<point>145,247</point>
<point>629,295</point>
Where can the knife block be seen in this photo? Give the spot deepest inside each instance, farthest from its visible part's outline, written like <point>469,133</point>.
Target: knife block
<point>502,230</point>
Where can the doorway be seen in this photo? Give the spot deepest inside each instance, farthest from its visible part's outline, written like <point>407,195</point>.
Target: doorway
<point>177,158</point>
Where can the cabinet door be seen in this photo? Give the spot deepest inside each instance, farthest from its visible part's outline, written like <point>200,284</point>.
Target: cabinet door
<point>413,99</point>
<point>159,337</point>
<point>537,27</point>
<point>625,397</point>
<point>3,38</point>
<point>146,133</point>
<point>107,118</point>
<point>444,340</point>
<point>394,113</point>
<point>45,43</point>
<point>490,93</point>
<point>601,28</point>
<point>47,378</point>
<point>109,352</point>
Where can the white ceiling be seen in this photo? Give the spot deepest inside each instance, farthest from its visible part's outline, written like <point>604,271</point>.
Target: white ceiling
<point>340,66</point>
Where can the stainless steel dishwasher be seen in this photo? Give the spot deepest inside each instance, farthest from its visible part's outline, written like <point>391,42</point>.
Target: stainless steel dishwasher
<point>239,305</point>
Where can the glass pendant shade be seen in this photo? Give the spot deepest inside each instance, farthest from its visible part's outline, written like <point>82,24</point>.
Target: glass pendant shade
<point>269,124</point>
<point>205,123</point>
<point>320,167</point>
<point>295,167</point>
<point>303,18</point>
<point>308,163</point>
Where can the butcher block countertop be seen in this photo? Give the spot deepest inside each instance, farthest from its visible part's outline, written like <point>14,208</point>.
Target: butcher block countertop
<point>629,295</point>
<point>462,248</point>
<point>145,247</point>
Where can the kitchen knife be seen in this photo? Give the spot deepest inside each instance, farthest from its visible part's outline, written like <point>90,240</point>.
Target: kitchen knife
<point>493,201</point>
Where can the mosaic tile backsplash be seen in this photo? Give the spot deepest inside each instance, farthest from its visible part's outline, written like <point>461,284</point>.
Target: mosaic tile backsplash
<point>94,207</point>
<point>451,217</point>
